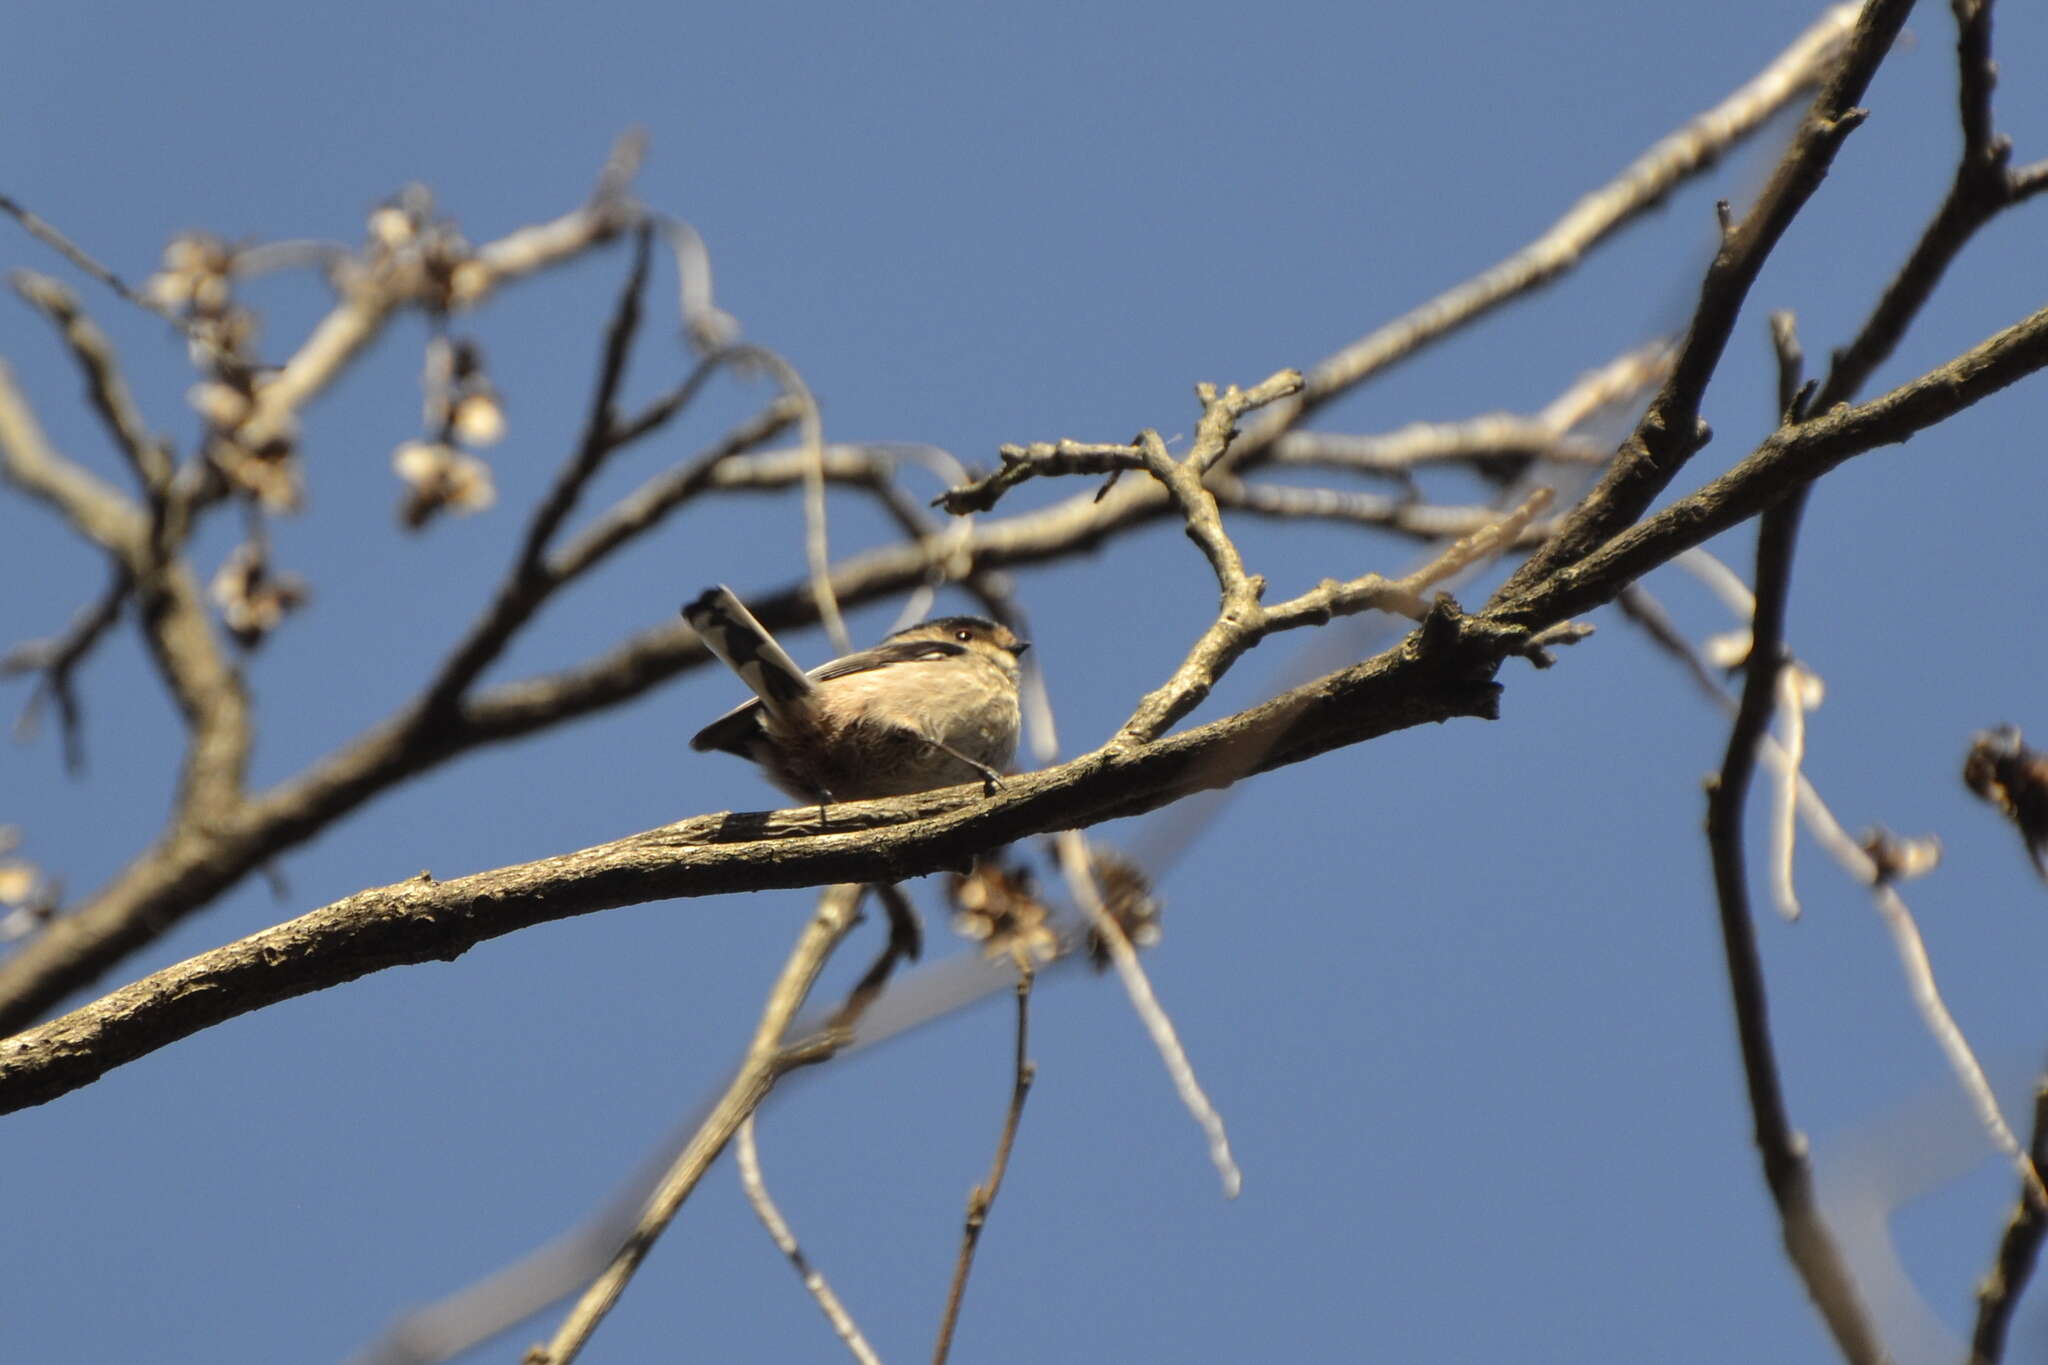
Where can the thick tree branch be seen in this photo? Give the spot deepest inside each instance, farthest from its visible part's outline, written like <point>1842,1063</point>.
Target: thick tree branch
<point>1443,670</point>
<point>184,872</point>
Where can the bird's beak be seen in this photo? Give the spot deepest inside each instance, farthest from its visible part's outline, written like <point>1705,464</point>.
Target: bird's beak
<point>1017,650</point>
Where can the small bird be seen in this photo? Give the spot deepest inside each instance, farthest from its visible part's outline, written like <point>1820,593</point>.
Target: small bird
<point>932,706</point>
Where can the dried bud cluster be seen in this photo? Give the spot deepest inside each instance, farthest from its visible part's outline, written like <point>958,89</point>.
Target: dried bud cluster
<point>28,898</point>
<point>1897,858</point>
<point>406,239</point>
<point>252,599</point>
<point>197,281</point>
<point>462,409</point>
<point>998,908</point>
<point>2014,778</point>
<point>1128,901</point>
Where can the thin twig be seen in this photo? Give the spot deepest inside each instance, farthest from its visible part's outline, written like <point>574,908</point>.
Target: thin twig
<point>1040,459</point>
<point>1798,692</point>
<point>708,327</point>
<point>1241,622</point>
<point>528,584</point>
<point>1791,365</point>
<point>1981,189</point>
<point>817,546</point>
<point>983,1196</point>
<point>645,507</point>
<point>57,659</point>
<point>1483,441</point>
<point>104,386</point>
<point>843,1325</point>
<point>1077,865</point>
<point>600,425</point>
<point>49,236</point>
<point>765,1063</point>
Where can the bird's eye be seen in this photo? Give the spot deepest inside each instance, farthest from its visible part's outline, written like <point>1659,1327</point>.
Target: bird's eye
<point>963,635</point>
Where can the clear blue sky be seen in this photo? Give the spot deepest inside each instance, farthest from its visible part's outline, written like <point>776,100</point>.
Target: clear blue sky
<point>1458,993</point>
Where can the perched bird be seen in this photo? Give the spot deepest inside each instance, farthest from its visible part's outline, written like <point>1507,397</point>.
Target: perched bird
<point>931,706</point>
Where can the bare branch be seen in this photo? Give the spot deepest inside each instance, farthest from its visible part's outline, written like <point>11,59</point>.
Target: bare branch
<point>79,257</point>
<point>104,387</point>
<point>375,287</point>
<point>95,508</point>
<point>207,689</point>
<point>1791,456</point>
<point>1998,1294</point>
<point>600,426</point>
<point>646,506</point>
<point>1403,516</point>
<point>56,660</point>
<point>843,1325</point>
<point>1040,459</point>
<point>1444,670</point>
<point>1876,861</point>
<point>158,893</point>
<point>1242,622</point>
<point>1494,438</point>
<point>766,1062</point>
<point>1077,864</point>
<point>983,1196</point>
<point>1982,187</point>
<point>1798,692</point>
<point>1807,1239</point>
<point>184,873</point>
<point>1671,431</point>
<point>1641,186</point>
<point>1791,365</point>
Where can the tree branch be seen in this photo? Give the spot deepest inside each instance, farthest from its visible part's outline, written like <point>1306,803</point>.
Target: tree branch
<point>1671,431</point>
<point>183,871</point>
<point>1807,1239</point>
<point>105,389</point>
<point>765,1063</point>
<point>1789,457</point>
<point>1443,670</point>
<point>1998,1294</point>
<point>1642,185</point>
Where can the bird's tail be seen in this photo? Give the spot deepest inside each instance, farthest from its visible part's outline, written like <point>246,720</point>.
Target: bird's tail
<point>730,631</point>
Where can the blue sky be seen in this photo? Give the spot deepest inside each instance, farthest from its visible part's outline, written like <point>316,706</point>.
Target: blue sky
<point>1457,993</point>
